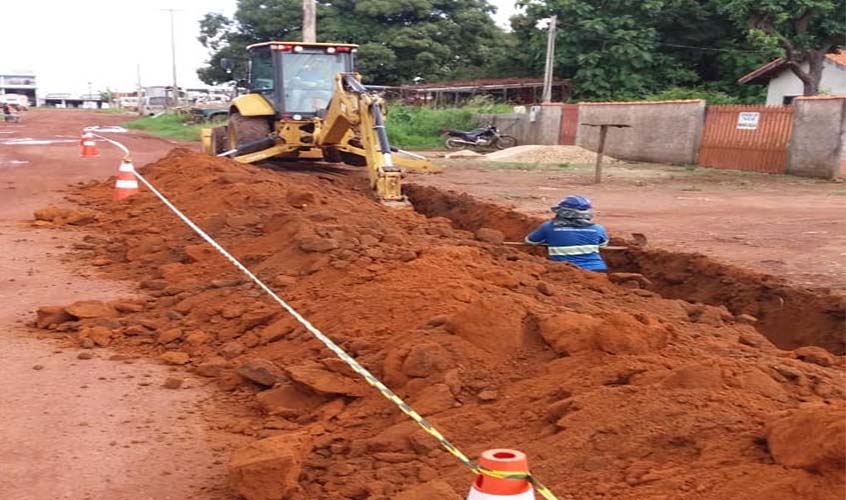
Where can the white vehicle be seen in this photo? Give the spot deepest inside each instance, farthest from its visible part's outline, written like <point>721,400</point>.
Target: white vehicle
<point>19,100</point>
<point>128,102</point>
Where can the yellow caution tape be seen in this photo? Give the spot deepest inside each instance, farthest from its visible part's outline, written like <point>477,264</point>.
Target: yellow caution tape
<point>373,381</point>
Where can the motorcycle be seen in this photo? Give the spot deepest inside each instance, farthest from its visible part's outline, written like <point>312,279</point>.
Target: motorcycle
<point>485,137</point>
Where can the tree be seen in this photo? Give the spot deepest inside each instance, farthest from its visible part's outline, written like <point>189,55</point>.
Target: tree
<point>628,49</point>
<point>254,21</point>
<point>400,39</point>
<point>806,30</point>
<point>610,48</point>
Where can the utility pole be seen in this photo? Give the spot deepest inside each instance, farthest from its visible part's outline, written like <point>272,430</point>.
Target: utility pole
<point>550,58</point>
<point>309,21</point>
<point>173,59</point>
<point>140,93</point>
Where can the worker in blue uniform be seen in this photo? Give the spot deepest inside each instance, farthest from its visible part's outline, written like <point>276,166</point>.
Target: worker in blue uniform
<point>571,236</point>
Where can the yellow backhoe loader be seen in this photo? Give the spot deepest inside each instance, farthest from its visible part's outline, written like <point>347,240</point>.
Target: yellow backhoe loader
<point>306,102</point>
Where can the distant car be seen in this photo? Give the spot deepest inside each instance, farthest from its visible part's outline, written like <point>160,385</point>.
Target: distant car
<point>128,102</point>
<point>210,112</point>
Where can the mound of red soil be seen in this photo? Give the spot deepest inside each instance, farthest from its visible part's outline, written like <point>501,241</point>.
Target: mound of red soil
<point>611,391</point>
<point>776,306</point>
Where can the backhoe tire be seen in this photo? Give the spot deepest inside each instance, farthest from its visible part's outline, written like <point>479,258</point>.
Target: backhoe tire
<point>452,143</point>
<point>245,129</point>
<point>332,155</point>
<point>219,141</point>
<point>353,159</point>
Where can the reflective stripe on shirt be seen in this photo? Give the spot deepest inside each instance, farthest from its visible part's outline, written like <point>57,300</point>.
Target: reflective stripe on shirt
<point>574,250</point>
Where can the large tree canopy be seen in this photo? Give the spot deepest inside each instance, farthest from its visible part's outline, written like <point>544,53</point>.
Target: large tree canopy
<point>806,30</point>
<point>400,39</point>
<point>628,49</point>
<point>609,49</point>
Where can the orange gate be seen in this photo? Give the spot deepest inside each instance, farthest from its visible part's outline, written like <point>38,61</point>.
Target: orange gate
<point>746,137</point>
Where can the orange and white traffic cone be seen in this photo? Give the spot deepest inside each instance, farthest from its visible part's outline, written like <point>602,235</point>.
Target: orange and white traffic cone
<point>89,146</point>
<point>492,488</point>
<point>126,184</point>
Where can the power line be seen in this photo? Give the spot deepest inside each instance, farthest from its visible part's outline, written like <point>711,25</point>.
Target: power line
<point>713,49</point>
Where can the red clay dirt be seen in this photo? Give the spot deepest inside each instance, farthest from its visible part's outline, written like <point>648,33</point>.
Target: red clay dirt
<point>86,424</point>
<point>786,226</point>
<point>611,390</point>
<point>694,277</point>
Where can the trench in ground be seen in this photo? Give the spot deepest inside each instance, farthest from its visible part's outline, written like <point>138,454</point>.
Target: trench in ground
<point>790,317</point>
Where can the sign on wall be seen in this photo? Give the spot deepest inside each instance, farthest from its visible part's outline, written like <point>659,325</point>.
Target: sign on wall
<point>748,120</point>
<point>533,113</point>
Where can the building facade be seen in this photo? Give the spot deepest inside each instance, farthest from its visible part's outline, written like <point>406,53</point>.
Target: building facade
<point>20,83</point>
<point>783,86</point>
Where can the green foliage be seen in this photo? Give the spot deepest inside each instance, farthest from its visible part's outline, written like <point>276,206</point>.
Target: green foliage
<point>678,93</point>
<point>627,49</point>
<point>805,31</point>
<point>609,49</point>
<point>170,126</point>
<point>803,24</point>
<point>400,39</point>
<point>413,127</point>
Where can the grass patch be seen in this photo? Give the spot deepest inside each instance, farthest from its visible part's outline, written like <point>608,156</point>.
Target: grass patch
<point>409,127</point>
<point>116,111</point>
<point>413,127</point>
<point>169,126</point>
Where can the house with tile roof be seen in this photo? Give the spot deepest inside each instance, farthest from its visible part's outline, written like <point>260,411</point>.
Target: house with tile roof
<point>783,85</point>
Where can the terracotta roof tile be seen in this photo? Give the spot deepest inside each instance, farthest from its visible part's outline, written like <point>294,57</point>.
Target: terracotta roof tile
<point>839,57</point>
<point>776,64</point>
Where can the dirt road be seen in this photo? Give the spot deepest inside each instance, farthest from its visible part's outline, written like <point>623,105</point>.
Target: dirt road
<point>83,428</point>
<point>785,226</point>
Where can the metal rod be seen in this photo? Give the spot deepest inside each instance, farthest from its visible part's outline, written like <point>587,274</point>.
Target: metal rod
<point>524,244</point>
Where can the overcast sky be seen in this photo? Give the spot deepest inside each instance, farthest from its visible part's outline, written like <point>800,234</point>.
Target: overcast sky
<point>69,44</point>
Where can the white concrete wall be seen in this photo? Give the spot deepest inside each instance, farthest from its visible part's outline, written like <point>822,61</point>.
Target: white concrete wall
<point>787,84</point>
<point>815,148</point>
<point>660,131</point>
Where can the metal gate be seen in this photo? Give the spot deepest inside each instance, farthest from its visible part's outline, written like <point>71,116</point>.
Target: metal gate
<point>746,137</point>
<point>569,124</point>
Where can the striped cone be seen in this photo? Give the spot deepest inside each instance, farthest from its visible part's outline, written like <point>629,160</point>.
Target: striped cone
<point>126,184</point>
<point>89,146</point>
<point>491,488</point>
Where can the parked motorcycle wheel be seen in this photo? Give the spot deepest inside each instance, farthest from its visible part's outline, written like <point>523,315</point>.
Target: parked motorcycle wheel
<point>505,141</point>
<point>452,143</point>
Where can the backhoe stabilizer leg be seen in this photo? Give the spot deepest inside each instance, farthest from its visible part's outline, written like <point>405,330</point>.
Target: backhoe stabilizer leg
<point>389,187</point>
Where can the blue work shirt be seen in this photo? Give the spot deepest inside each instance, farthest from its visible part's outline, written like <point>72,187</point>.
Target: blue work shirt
<point>576,245</point>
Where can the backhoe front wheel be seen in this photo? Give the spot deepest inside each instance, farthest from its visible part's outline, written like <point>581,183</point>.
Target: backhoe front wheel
<point>246,129</point>
<point>219,141</point>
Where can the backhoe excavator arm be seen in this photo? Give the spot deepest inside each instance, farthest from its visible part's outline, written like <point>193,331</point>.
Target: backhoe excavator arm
<point>355,123</point>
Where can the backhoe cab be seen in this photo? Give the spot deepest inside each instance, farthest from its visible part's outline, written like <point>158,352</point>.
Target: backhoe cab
<point>306,102</point>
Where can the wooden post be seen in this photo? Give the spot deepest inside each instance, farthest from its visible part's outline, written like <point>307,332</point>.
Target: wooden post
<point>600,150</point>
<point>603,131</point>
